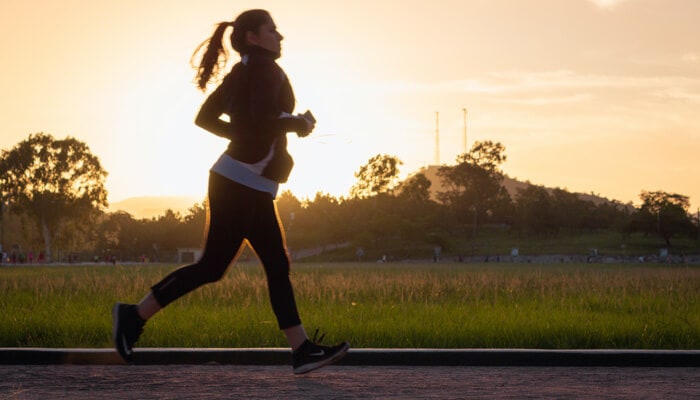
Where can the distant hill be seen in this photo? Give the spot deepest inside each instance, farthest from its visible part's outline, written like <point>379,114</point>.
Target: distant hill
<point>154,206</point>
<point>511,185</point>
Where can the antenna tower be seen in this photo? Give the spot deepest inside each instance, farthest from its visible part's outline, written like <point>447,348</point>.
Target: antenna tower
<point>464,133</point>
<point>437,138</point>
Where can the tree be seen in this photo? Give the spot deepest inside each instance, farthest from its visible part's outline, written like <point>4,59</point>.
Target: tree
<point>195,221</point>
<point>52,181</point>
<point>665,214</point>
<point>288,208</point>
<point>487,155</point>
<point>535,211</point>
<point>321,220</point>
<point>379,175</point>
<point>291,213</point>
<point>416,213</point>
<point>118,233</point>
<point>656,201</point>
<point>416,189</point>
<point>569,211</point>
<point>475,185</point>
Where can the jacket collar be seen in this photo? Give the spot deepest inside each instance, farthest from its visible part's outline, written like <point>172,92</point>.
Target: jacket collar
<point>255,51</point>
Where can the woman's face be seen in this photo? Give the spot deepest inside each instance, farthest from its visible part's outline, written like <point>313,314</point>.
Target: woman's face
<point>267,37</point>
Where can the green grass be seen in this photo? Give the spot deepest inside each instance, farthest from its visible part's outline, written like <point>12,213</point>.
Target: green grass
<point>567,306</point>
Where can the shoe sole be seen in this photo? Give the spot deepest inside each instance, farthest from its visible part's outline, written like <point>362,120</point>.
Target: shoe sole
<point>115,334</point>
<point>330,360</point>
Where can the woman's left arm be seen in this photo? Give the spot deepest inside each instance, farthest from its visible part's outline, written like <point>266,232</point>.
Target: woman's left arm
<point>270,82</point>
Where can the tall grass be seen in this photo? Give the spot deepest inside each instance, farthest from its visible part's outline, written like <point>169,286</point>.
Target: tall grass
<point>371,305</point>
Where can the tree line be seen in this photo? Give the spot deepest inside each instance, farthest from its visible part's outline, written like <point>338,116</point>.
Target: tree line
<point>53,200</point>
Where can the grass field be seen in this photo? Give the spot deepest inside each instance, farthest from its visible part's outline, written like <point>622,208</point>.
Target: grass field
<point>557,306</point>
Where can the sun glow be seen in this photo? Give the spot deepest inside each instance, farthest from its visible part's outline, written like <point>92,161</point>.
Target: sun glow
<point>582,99</point>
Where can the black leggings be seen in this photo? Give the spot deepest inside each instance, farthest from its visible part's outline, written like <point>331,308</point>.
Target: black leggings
<point>237,213</point>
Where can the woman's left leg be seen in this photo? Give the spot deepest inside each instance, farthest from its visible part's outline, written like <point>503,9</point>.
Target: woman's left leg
<point>268,241</point>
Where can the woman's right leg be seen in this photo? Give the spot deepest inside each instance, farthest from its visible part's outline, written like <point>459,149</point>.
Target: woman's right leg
<point>210,268</point>
<point>225,235</point>
<point>227,224</point>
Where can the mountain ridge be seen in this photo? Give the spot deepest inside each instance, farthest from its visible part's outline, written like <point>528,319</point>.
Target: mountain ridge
<point>155,206</point>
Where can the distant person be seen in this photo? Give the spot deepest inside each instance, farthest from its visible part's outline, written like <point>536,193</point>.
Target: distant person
<point>258,100</point>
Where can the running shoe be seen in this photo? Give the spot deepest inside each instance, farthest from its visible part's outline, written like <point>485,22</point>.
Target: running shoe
<point>127,328</point>
<point>311,355</point>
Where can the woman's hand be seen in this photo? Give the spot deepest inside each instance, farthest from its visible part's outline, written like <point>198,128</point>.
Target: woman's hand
<point>310,125</point>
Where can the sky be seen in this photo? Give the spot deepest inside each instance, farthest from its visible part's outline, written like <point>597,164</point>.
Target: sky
<point>592,96</point>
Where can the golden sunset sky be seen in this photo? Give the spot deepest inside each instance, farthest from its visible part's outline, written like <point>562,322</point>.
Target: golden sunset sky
<point>590,96</point>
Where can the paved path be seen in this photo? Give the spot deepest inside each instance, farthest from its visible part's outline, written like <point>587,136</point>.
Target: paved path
<point>172,373</point>
<point>344,382</point>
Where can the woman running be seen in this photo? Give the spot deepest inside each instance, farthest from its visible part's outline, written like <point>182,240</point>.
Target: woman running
<point>252,108</point>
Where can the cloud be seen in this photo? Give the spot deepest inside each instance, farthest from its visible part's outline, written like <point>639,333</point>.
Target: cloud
<point>691,57</point>
<point>606,3</point>
<point>681,94</point>
<point>551,100</point>
<point>510,82</point>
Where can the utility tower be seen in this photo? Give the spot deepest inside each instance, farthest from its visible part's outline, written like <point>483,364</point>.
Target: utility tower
<point>437,138</point>
<point>464,132</point>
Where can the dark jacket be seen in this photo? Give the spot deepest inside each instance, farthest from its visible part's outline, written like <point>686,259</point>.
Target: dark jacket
<point>254,95</point>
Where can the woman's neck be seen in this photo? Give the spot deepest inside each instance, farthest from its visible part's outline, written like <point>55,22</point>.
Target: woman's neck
<point>257,50</point>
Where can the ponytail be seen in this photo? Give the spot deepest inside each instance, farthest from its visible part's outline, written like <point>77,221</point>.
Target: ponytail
<point>214,57</point>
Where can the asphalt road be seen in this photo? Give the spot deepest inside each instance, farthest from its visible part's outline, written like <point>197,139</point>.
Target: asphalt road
<point>344,382</point>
